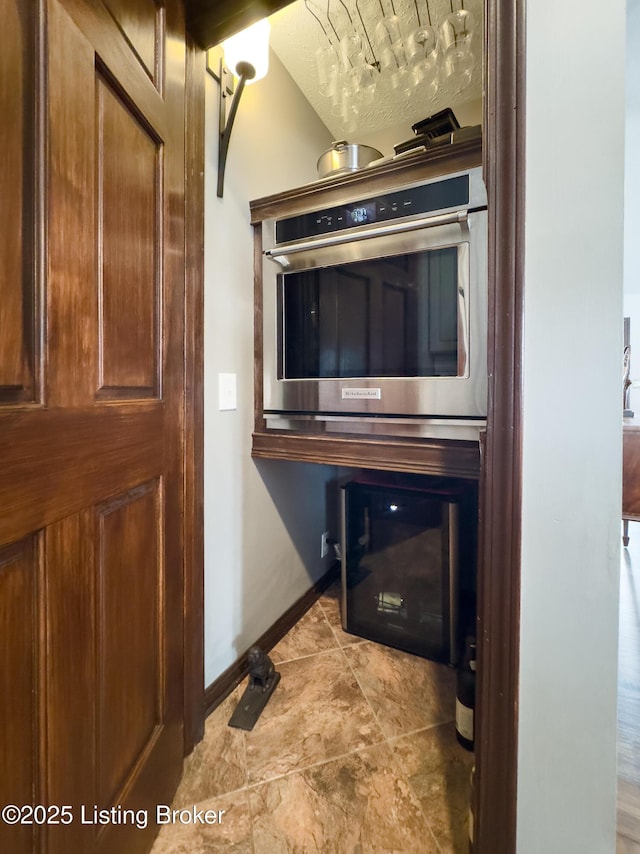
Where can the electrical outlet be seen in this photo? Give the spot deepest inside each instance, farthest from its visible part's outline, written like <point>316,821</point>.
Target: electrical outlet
<point>324,544</point>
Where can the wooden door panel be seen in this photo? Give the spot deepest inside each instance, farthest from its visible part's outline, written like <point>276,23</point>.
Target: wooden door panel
<point>17,173</point>
<point>84,456</point>
<point>142,22</point>
<point>129,229</point>
<point>130,581</point>
<point>71,358</point>
<point>91,594</point>
<point>631,471</point>
<point>115,57</point>
<point>70,677</point>
<point>18,681</point>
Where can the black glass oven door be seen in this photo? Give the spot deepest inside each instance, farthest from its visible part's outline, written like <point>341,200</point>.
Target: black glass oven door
<point>396,316</point>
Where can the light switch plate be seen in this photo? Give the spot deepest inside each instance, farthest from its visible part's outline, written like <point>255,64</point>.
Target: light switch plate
<point>227,392</point>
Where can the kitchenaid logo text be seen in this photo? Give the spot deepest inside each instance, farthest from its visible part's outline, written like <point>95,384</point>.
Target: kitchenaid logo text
<point>361,394</point>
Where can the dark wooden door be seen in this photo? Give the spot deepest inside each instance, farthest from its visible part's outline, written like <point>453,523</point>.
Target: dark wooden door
<point>91,402</point>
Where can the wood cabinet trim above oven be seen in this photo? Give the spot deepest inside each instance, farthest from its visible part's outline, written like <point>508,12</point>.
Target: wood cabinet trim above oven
<point>416,167</point>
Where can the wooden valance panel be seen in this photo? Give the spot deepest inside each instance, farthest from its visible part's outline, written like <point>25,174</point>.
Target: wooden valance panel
<point>419,166</point>
<point>441,458</point>
<point>211,21</point>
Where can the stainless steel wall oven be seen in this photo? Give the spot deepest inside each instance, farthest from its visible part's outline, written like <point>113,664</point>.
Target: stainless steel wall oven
<point>375,313</point>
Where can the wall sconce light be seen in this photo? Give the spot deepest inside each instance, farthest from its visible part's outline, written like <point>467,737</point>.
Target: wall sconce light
<point>247,56</point>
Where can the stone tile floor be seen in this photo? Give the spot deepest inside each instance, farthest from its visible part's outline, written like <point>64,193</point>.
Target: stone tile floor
<point>355,753</point>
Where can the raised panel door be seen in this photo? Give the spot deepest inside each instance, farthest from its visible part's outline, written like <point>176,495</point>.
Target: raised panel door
<point>91,399</point>
<point>17,192</point>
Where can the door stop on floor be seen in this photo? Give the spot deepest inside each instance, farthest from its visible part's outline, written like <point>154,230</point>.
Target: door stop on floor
<point>263,679</point>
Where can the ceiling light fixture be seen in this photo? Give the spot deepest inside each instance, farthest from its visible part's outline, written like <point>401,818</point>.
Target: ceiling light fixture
<point>246,55</point>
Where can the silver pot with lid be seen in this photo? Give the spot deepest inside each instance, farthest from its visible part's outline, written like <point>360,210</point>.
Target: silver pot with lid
<point>346,157</point>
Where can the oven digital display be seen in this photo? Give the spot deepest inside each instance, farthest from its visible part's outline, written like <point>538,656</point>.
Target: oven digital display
<point>361,213</point>
<point>450,193</point>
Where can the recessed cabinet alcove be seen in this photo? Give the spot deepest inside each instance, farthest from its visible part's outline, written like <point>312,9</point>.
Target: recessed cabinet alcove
<point>499,578</point>
<point>343,444</point>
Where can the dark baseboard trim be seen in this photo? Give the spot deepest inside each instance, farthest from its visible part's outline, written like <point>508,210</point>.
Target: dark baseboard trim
<point>225,683</point>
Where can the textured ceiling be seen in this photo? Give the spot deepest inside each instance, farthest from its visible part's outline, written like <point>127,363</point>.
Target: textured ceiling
<point>296,35</point>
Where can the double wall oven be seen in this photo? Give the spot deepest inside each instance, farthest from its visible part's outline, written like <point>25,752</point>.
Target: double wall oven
<point>375,312</point>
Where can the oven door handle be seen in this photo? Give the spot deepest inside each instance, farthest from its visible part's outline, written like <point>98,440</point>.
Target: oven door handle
<point>279,254</point>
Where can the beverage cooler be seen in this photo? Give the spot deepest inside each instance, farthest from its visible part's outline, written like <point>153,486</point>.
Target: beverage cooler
<point>404,564</point>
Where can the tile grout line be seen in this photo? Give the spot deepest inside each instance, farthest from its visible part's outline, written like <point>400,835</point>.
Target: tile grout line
<point>302,768</point>
<point>318,764</point>
<point>363,692</point>
<point>387,742</point>
<point>328,622</point>
<point>245,789</point>
<point>306,655</point>
<point>332,631</point>
<point>420,729</point>
<point>251,786</point>
<point>248,786</point>
<point>383,738</point>
<point>323,651</point>
<point>400,773</point>
<point>335,633</point>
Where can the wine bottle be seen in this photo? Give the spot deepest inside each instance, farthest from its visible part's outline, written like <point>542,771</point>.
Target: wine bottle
<point>466,696</point>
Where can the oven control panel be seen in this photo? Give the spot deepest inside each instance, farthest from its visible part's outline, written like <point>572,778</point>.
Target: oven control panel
<point>426,198</point>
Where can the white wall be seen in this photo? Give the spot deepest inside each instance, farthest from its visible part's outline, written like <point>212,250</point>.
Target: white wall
<point>572,427</point>
<point>632,161</point>
<point>467,113</point>
<point>632,196</point>
<point>263,520</point>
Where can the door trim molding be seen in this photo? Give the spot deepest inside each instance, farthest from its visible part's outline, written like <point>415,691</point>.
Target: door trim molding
<point>193,446</point>
<point>499,581</point>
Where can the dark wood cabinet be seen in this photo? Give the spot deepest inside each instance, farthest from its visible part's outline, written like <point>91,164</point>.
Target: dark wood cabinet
<point>630,475</point>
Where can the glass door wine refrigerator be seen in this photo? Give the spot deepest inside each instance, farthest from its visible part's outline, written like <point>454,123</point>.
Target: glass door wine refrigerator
<point>401,562</point>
